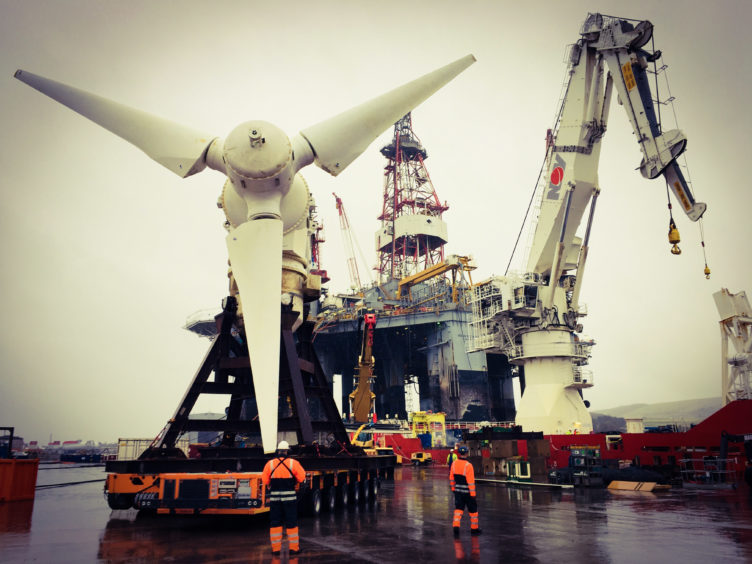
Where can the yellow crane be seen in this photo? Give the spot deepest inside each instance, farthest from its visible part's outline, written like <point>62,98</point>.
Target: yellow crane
<point>362,399</point>
<point>455,264</point>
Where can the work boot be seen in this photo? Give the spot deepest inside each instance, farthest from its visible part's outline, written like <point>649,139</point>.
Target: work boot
<point>475,531</point>
<point>295,552</point>
<point>456,531</point>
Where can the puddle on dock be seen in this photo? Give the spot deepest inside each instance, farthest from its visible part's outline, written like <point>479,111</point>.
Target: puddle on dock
<point>410,522</point>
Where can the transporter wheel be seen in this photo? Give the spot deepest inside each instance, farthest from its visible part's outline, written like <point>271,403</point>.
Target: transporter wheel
<point>315,502</point>
<point>373,489</point>
<point>120,501</point>
<point>344,494</point>
<point>331,499</point>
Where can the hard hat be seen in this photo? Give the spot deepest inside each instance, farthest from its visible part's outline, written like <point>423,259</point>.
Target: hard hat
<point>462,450</point>
<point>283,445</point>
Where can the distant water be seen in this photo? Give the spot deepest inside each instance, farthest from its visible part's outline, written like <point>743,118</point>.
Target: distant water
<point>60,473</point>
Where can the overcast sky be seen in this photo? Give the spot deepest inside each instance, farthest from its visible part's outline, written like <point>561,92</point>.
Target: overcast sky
<point>105,253</point>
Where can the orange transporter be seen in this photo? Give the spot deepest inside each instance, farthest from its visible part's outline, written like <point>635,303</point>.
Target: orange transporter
<point>181,492</point>
<point>224,477</point>
<point>236,493</point>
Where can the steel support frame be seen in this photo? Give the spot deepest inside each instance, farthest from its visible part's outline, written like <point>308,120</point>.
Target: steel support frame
<point>301,380</point>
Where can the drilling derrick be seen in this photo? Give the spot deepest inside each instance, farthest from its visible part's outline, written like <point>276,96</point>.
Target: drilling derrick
<point>412,234</point>
<point>419,304</point>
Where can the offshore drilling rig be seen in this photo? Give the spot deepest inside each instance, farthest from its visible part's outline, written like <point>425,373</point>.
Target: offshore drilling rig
<point>420,298</point>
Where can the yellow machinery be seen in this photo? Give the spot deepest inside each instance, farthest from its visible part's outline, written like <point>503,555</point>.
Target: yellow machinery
<point>363,436</point>
<point>455,264</point>
<point>362,398</point>
<point>418,458</point>
<point>424,422</point>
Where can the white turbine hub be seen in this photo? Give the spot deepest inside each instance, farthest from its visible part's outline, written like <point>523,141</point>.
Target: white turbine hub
<point>258,156</point>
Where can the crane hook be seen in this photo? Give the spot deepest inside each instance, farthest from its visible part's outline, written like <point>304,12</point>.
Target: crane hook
<point>704,254</point>
<point>673,237</point>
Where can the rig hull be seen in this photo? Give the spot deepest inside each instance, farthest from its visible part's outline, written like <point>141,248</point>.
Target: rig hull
<point>426,348</point>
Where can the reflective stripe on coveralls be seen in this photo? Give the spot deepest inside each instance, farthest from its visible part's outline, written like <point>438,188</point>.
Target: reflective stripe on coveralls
<point>462,481</point>
<point>293,538</point>
<point>283,488</point>
<point>457,519</point>
<point>275,535</point>
<point>458,477</point>
<point>473,520</point>
<point>283,500</point>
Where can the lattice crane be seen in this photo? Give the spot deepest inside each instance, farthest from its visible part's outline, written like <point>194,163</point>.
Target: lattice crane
<point>350,244</point>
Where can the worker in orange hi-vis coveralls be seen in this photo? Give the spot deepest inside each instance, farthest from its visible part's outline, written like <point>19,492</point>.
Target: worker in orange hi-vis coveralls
<point>281,474</point>
<point>462,481</point>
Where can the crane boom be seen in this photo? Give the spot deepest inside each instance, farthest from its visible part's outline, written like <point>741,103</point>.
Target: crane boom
<point>608,56</point>
<point>349,242</point>
<point>362,399</point>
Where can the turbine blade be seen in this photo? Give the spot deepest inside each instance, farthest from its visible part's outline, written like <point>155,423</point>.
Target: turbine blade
<point>255,250</point>
<point>174,146</point>
<point>338,141</point>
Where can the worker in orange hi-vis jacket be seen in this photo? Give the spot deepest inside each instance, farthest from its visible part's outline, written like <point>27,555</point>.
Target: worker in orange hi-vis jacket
<point>462,481</point>
<point>281,475</point>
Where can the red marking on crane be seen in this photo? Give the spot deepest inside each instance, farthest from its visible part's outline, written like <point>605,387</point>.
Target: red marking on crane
<point>557,175</point>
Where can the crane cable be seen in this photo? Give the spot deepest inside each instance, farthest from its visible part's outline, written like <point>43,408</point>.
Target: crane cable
<point>527,212</point>
<point>704,254</point>
<point>672,225</point>
<point>555,129</point>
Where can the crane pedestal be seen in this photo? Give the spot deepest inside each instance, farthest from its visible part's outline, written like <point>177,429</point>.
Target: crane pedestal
<point>551,401</point>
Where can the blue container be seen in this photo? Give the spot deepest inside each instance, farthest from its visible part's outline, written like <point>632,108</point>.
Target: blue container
<point>425,440</point>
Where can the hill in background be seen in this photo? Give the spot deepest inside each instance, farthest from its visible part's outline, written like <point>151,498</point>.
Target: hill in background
<point>684,414</point>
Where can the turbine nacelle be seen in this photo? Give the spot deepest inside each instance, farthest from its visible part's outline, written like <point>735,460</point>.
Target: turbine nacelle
<point>259,161</point>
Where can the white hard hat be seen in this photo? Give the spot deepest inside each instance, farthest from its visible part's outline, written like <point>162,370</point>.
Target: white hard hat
<point>283,445</point>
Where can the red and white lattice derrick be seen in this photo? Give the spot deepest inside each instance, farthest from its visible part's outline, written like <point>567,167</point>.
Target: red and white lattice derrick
<point>412,233</point>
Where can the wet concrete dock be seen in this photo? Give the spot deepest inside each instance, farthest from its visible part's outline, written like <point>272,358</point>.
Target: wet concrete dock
<point>410,522</point>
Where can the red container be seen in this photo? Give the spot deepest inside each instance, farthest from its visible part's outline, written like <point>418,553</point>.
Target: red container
<point>18,479</point>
